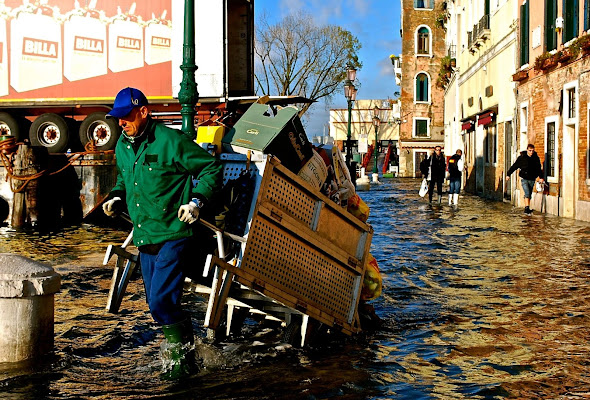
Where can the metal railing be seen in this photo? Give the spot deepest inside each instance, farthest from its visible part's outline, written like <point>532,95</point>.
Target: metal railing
<point>452,51</point>
<point>479,30</point>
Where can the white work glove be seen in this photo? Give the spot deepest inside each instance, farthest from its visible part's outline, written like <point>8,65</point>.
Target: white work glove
<point>188,213</point>
<point>109,206</point>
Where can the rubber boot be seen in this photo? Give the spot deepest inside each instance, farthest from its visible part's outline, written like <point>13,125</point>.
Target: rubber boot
<point>456,198</point>
<point>180,353</point>
<point>450,199</point>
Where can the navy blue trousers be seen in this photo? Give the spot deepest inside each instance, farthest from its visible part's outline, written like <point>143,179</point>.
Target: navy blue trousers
<point>163,277</point>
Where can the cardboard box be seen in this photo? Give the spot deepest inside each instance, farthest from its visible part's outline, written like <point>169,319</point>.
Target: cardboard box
<point>281,135</point>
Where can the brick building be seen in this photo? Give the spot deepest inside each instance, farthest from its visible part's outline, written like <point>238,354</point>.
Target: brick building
<point>553,100</point>
<point>422,104</point>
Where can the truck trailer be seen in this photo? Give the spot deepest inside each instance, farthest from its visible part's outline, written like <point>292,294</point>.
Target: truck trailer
<point>63,61</point>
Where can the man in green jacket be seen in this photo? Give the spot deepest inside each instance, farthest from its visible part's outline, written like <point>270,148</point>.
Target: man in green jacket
<point>155,170</point>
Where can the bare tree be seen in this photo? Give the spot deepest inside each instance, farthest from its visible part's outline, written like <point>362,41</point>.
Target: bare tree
<point>296,57</point>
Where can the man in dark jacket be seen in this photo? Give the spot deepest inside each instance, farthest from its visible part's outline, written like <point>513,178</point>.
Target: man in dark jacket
<point>438,166</point>
<point>155,168</point>
<point>530,169</point>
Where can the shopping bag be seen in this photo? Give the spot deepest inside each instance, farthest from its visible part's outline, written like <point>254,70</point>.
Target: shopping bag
<point>423,188</point>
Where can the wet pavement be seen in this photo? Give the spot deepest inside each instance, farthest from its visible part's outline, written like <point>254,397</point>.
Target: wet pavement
<point>479,302</point>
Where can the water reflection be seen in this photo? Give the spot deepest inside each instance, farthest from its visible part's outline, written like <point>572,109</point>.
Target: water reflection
<point>479,302</point>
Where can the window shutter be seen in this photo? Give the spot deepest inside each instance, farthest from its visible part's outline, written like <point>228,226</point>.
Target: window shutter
<point>524,33</point>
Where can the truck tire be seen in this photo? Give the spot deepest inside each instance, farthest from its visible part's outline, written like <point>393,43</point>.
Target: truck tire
<point>104,131</point>
<point>52,131</point>
<point>9,126</point>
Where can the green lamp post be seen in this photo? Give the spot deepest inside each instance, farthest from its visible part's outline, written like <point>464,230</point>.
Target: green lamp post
<point>376,123</point>
<point>188,96</point>
<point>350,94</point>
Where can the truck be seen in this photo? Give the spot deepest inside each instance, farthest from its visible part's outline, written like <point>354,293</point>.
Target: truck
<point>63,61</point>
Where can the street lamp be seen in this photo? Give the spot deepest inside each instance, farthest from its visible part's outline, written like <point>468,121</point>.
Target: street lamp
<point>350,94</point>
<point>376,123</point>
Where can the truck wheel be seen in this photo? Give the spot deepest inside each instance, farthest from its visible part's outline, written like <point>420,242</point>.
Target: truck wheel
<point>51,131</point>
<point>9,126</point>
<point>104,131</point>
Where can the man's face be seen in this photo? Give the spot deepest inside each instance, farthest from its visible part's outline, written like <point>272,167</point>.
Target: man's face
<point>529,152</point>
<point>437,151</point>
<point>134,122</point>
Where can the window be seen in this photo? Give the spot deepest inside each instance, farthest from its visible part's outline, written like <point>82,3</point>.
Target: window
<point>524,33</point>
<point>570,103</point>
<point>421,87</point>
<point>550,148</point>
<point>570,23</point>
<point>423,41</point>
<point>524,118</point>
<point>490,145</point>
<point>426,4</point>
<point>421,127</point>
<point>551,166</point>
<point>550,31</point>
<point>586,15</point>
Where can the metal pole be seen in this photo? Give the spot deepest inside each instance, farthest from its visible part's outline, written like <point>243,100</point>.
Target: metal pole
<point>348,137</point>
<point>375,166</point>
<point>188,94</point>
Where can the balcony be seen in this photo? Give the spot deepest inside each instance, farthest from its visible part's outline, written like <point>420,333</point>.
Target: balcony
<point>452,51</point>
<point>483,28</point>
<point>480,33</point>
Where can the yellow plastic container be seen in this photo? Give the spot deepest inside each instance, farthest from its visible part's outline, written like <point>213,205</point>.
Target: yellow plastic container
<point>211,134</point>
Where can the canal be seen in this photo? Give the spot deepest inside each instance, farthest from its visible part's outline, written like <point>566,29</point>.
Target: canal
<point>479,302</point>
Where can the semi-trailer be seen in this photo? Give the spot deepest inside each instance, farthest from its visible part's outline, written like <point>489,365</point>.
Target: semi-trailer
<point>63,61</point>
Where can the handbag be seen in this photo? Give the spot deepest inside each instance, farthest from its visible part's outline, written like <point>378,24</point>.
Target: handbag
<point>423,188</point>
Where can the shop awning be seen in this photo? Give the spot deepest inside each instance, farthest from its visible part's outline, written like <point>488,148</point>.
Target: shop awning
<point>467,125</point>
<point>421,144</point>
<point>486,118</point>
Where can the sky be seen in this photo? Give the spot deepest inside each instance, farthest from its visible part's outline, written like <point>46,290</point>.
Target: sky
<point>375,23</point>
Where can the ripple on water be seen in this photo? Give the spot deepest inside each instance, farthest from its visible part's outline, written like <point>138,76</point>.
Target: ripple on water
<point>478,303</point>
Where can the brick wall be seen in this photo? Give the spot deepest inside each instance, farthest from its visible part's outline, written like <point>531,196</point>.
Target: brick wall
<point>411,65</point>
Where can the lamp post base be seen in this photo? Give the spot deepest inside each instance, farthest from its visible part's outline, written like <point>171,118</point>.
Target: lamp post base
<point>375,177</point>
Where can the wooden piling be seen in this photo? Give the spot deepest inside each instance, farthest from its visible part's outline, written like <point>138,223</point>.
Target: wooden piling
<point>28,163</point>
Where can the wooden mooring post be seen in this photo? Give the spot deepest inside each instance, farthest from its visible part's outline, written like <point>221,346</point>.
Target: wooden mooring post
<point>28,164</point>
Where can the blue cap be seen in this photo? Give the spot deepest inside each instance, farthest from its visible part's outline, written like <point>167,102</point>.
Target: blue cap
<point>126,100</point>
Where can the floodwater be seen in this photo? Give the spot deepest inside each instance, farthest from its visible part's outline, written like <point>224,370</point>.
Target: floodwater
<point>479,302</point>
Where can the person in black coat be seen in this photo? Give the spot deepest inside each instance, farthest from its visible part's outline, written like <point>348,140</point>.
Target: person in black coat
<point>436,174</point>
<point>530,169</point>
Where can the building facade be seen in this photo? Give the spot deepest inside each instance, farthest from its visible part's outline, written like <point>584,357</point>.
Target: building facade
<point>486,34</point>
<point>421,114</point>
<point>361,126</point>
<point>522,75</point>
<point>553,86</point>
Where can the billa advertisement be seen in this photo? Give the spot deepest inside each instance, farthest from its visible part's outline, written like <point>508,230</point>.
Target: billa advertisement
<point>35,51</point>
<point>85,40</point>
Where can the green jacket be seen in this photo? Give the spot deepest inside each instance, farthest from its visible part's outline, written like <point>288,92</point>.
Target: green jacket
<point>158,180</point>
